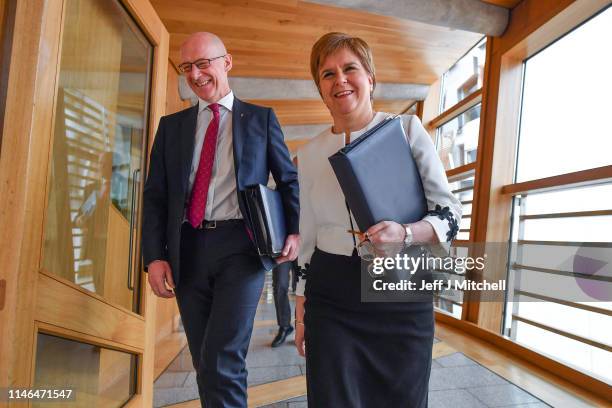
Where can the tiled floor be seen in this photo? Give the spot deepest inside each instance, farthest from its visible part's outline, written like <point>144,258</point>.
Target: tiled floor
<point>456,381</point>
<point>264,364</point>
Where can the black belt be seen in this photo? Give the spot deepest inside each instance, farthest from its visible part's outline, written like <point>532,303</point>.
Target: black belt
<point>218,224</point>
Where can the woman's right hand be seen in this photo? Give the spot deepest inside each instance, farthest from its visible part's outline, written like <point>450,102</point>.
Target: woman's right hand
<point>300,329</point>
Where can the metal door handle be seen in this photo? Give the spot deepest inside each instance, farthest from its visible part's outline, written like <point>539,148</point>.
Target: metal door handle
<point>130,280</point>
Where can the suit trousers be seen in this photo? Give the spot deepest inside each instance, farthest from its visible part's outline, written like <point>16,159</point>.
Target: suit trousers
<point>221,283</point>
<point>280,286</point>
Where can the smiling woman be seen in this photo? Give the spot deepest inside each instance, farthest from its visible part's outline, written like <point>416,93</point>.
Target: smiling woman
<point>346,87</point>
<point>387,345</point>
<point>343,71</point>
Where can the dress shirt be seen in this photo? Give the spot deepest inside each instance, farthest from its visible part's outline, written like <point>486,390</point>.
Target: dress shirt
<point>324,218</point>
<point>222,201</point>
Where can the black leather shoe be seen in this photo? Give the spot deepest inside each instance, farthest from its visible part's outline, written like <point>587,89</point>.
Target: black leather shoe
<point>281,336</point>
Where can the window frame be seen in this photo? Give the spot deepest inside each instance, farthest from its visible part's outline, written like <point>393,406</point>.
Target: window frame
<point>469,305</point>
<point>541,24</point>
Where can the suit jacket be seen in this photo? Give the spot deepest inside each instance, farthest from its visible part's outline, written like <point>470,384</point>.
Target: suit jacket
<point>258,148</point>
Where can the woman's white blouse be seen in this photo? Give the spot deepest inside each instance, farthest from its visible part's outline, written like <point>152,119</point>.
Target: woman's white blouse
<point>324,218</point>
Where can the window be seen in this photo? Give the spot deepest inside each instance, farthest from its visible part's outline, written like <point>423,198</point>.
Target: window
<point>572,71</point>
<point>463,188</point>
<point>97,375</point>
<point>101,114</point>
<point>465,77</point>
<point>559,276</point>
<point>458,125</point>
<point>457,130</point>
<point>458,139</point>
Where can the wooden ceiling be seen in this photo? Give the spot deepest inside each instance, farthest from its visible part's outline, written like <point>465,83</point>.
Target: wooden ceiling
<point>273,38</point>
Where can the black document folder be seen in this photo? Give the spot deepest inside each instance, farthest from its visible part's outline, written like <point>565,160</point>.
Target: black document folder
<point>266,215</point>
<point>379,177</point>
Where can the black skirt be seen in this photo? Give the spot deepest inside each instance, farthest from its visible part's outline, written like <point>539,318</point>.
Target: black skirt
<point>362,355</point>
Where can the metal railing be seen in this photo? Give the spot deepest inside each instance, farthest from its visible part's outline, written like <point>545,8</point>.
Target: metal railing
<point>518,265</point>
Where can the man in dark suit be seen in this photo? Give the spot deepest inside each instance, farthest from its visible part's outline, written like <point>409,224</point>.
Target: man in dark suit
<point>194,237</point>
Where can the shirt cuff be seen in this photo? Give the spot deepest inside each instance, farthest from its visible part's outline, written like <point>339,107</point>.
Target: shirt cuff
<point>443,222</point>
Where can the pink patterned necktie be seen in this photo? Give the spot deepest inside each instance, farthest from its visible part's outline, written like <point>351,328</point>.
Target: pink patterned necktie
<point>199,191</point>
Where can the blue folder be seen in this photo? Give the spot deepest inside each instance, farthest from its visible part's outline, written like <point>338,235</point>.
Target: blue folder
<point>379,177</point>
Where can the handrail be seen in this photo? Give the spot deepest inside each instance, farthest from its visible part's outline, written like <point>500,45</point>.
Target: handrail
<point>457,109</point>
<point>572,214</point>
<point>460,190</point>
<point>580,275</point>
<point>575,305</point>
<point>466,169</point>
<point>574,179</point>
<point>566,243</point>
<point>563,333</point>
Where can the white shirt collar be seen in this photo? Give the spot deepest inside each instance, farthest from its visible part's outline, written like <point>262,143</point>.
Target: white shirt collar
<point>227,102</point>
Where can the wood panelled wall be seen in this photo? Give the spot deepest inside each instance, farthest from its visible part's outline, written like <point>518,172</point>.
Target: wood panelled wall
<point>173,99</point>
<point>431,107</point>
<point>2,13</point>
<point>4,6</point>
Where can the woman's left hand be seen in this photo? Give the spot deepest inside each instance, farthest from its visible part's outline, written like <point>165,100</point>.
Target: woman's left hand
<point>386,231</point>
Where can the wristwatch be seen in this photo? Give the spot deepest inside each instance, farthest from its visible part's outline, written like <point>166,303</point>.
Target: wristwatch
<point>408,237</point>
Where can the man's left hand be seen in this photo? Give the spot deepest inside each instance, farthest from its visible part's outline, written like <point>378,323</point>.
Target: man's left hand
<point>290,250</point>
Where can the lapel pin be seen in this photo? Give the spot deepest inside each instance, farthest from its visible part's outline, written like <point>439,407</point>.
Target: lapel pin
<point>242,115</point>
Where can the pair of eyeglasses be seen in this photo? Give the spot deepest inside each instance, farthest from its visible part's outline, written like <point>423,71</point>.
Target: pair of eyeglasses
<point>202,63</point>
<point>366,250</point>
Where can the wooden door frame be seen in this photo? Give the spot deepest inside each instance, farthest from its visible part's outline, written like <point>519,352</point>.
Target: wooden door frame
<point>24,162</point>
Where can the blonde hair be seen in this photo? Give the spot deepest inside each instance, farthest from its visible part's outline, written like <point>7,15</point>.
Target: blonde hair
<point>332,42</point>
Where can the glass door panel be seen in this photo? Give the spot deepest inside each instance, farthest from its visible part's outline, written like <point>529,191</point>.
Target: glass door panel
<point>97,376</point>
<point>98,151</point>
